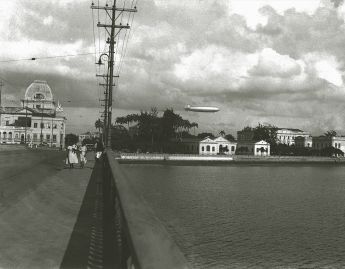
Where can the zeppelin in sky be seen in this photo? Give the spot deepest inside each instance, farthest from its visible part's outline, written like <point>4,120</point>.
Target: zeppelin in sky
<point>201,108</point>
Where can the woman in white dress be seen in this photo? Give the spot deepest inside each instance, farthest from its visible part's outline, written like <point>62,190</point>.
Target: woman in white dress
<point>72,157</point>
<point>83,159</point>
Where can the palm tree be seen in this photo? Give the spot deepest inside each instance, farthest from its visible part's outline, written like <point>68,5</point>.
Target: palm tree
<point>222,133</point>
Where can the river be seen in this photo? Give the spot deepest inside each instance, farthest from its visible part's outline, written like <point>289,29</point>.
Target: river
<point>260,216</point>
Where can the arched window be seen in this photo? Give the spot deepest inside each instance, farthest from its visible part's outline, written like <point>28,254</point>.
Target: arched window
<point>202,148</point>
<point>213,149</point>
<point>39,96</point>
<point>208,148</point>
<point>4,135</point>
<point>10,135</point>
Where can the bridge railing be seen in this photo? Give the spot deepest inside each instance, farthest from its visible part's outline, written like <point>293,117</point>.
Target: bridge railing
<point>141,239</point>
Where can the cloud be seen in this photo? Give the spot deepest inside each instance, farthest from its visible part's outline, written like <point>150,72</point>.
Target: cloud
<point>273,64</point>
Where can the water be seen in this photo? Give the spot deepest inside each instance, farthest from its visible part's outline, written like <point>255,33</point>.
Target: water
<point>250,216</point>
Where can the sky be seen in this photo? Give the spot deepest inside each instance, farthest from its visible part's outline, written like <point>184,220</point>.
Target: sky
<point>280,62</point>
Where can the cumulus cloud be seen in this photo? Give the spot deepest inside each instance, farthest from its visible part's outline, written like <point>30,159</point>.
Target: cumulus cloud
<point>258,60</point>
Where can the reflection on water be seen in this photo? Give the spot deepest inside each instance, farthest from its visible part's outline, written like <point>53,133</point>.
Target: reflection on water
<point>250,216</point>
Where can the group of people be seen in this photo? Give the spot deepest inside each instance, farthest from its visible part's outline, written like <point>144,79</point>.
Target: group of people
<point>75,154</point>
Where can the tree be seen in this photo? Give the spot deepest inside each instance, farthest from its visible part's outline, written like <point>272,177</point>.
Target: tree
<point>330,133</point>
<point>229,137</point>
<point>204,135</point>
<point>266,133</point>
<point>222,133</point>
<point>99,125</point>
<point>71,139</point>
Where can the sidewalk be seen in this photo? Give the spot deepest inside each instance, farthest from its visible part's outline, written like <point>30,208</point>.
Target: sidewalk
<point>36,228</point>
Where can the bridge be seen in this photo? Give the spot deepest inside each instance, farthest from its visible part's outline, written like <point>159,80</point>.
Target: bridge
<point>55,217</point>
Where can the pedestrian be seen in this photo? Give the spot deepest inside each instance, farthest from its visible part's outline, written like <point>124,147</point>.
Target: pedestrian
<point>99,148</point>
<point>72,157</point>
<point>83,159</point>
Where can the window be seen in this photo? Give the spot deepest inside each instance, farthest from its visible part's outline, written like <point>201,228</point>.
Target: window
<point>48,137</point>
<point>34,137</point>
<point>54,138</point>
<point>7,123</point>
<point>55,126</point>
<point>17,136</point>
<point>208,148</point>
<point>339,145</point>
<point>4,134</point>
<point>213,149</point>
<point>202,148</point>
<point>232,148</point>
<point>336,145</point>
<point>48,125</point>
<point>42,125</point>
<point>35,125</point>
<point>10,135</point>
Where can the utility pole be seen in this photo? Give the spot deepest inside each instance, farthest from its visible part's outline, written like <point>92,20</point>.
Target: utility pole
<point>111,12</point>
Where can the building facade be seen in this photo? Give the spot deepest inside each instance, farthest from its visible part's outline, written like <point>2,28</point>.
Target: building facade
<point>304,142</point>
<point>216,146</point>
<point>288,135</point>
<point>39,121</point>
<point>321,142</point>
<point>256,148</point>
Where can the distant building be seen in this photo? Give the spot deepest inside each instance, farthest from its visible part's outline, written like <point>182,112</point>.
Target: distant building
<point>206,146</point>
<point>256,148</point>
<point>303,141</point>
<point>321,142</point>
<point>219,145</point>
<point>288,135</point>
<point>38,121</point>
<point>88,135</point>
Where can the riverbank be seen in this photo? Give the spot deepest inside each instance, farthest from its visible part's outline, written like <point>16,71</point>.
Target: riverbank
<point>223,159</point>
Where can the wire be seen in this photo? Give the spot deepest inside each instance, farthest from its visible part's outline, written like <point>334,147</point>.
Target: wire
<point>48,57</point>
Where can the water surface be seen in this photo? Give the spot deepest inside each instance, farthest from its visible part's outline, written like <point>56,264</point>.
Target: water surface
<point>250,216</point>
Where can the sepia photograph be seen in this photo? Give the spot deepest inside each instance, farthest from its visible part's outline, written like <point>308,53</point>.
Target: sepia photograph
<point>165,134</point>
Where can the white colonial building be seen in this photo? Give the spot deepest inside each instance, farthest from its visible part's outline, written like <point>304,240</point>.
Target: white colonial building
<point>216,146</point>
<point>321,142</point>
<point>38,121</point>
<point>288,135</point>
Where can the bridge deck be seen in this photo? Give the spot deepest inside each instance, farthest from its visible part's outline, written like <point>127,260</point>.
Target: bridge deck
<point>45,211</point>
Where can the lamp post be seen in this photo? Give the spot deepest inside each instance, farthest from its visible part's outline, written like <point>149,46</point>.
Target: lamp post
<point>106,124</point>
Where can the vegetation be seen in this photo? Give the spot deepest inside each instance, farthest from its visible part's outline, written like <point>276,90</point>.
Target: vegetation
<point>71,139</point>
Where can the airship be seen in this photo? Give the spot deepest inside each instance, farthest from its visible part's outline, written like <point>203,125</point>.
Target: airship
<point>201,108</point>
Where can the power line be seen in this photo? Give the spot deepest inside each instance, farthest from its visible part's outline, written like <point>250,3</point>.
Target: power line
<point>48,57</point>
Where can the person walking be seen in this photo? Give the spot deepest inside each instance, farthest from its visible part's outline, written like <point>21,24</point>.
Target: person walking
<point>72,157</point>
<point>83,159</point>
<point>99,148</point>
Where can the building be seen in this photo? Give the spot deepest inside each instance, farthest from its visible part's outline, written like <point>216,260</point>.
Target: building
<point>207,146</point>
<point>219,145</point>
<point>88,135</point>
<point>38,121</point>
<point>256,148</point>
<point>288,135</point>
<point>247,145</point>
<point>321,142</point>
<point>303,141</point>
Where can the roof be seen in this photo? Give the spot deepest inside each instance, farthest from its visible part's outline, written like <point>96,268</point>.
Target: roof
<point>39,90</point>
<point>23,110</point>
<point>291,129</point>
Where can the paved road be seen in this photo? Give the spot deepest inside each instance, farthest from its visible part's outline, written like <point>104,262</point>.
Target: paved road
<point>39,205</point>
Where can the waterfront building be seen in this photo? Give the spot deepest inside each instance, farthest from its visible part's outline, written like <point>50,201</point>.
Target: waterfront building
<point>288,135</point>
<point>321,142</point>
<point>88,135</point>
<point>256,148</point>
<point>304,141</point>
<point>216,146</point>
<point>38,121</point>
<point>206,146</point>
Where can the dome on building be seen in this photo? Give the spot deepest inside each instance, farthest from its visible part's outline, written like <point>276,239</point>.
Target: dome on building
<point>39,90</point>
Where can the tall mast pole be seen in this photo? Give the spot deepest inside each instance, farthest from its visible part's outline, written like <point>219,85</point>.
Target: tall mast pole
<point>111,11</point>
<point>111,74</point>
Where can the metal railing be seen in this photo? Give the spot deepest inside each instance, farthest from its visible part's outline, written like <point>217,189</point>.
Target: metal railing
<point>141,239</point>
